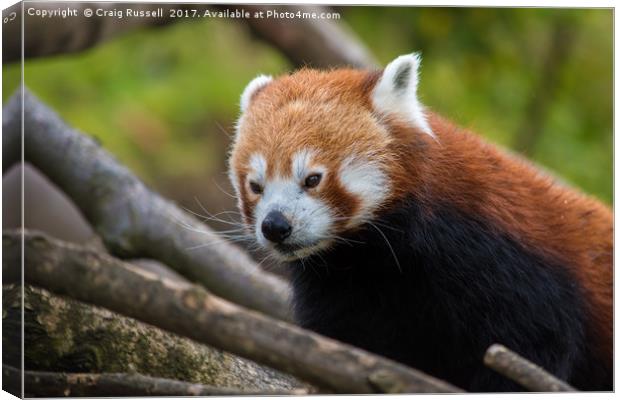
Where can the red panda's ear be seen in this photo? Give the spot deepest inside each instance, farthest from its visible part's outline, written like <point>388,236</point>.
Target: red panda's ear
<point>252,88</point>
<point>396,92</point>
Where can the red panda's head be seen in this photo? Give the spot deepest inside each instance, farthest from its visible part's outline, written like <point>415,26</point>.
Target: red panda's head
<point>313,156</point>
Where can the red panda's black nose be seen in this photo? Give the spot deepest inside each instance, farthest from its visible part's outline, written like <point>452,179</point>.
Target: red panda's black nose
<point>275,227</point>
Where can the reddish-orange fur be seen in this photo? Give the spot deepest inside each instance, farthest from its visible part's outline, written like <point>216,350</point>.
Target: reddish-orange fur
<point>556,220</point>
<point>279,123</point>
<point>332,112</point>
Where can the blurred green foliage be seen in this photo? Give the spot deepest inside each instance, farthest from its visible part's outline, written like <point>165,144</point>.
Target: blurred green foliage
<point>163,100</point>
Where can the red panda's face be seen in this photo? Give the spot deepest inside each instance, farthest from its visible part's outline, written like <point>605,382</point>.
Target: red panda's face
<point>311,159</point>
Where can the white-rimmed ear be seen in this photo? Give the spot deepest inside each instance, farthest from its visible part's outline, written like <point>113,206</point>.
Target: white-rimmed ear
<point>253,87</point>
<point>396,91</point>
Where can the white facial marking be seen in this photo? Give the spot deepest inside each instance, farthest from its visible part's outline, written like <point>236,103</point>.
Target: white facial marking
<point>310,218</point>
<point>367,182</point>
<point>256,83</point>
<point>396,92</point>
<point>258,167</point>
<point>301,163</point>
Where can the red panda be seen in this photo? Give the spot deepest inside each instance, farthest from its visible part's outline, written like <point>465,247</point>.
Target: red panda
<point>415,239</point>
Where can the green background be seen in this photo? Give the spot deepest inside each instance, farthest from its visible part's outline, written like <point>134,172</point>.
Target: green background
<point>163,100</point>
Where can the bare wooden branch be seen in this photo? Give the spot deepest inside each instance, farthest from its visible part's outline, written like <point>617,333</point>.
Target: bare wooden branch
<point>49,36</point>
<point>59,384</point>
<point>132,220</point>
<point>191,311</point>
<point>522,371</point>
<point>316,42</point>
<point>63,334</point>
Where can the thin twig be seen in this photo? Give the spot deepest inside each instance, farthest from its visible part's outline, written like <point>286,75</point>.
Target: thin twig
<point>522,371</point>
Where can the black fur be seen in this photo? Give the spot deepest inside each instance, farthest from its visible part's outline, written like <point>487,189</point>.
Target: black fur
<point>459,286</point>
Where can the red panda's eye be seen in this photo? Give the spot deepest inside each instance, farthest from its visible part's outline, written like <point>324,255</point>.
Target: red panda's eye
<point>256,188</point>
<point>312,181</point>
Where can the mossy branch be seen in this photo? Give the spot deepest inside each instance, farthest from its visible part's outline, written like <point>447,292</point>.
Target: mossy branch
<point>191,311</point>
<point>65,335</point>
<point>61,384</point>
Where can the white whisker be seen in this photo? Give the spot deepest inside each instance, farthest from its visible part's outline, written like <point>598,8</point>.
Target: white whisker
<point>216,242</point>
<point>232,196</point>
<point>388,243</point>
<point>223,130</point>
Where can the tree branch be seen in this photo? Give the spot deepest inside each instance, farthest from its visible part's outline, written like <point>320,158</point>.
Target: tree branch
<point>315,42</point>
<point>191,311</point>
<point>132,220</point>
<point>522,371</point>
<point>62,334</point>
<point>50,36</point>
<point>57,384</point>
